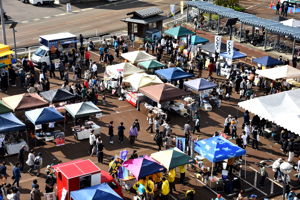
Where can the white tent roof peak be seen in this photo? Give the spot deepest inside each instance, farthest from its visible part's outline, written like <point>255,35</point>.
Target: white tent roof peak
<point>285,71</point>
<point>291,22</point>
<point>137,56</point>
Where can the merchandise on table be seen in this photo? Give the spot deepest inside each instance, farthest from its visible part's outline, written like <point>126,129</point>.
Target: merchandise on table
<point>83,132</point>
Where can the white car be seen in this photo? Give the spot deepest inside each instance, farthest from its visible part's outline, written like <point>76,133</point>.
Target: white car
<point>41,2</point>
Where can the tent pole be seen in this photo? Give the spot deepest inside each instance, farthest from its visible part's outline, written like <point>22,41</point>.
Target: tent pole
<point>187,13</point>
<point>218,25</point>
<point>245,165</point>
<point>212,169</point>
<point>265,40</point>
<point>293,51</point>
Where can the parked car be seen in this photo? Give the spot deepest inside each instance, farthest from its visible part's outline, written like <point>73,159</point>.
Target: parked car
<point>41,2</point>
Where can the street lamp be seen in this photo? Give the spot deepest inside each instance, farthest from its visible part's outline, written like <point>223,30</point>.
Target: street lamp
<point>13,26</point>
<point>285,168</point>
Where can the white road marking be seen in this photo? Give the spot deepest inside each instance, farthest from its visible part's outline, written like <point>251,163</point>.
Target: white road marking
<point>85,26</point>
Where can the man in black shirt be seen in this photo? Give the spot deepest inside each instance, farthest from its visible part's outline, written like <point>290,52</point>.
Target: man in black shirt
<point>134,155</point>
<point>50,182</point>
<point>100,150</point>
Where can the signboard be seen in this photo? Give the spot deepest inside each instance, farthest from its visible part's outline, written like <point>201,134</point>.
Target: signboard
<point>50,196</point>
<point>180,143</point>
<point>132,100</point>
<point>172,7</point>
<point>181,7</point>
<point>60,138</point>
<point>123,173</point>
<point>115,166</point>
<point>230,44</point>
<point>38,127</point>
<point>99,115</point>
<point>218,41</point>
<point>191,147</point>
<point>63,194</point>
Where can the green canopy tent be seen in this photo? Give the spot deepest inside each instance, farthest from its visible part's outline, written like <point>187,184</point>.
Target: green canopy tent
<point>178,32</point>
<point>172,158</point>
<point>4,108</point>
<point>198,40</point>
<point>150,64</point>
<point>2,65</point>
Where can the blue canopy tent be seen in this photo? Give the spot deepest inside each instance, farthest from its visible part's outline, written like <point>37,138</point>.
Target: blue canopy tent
<point>173,74</point>
<point>267,61</point>
<point>200,84</point>
<point>10,123</point>
<point>235,55</point>
<point>44,115</point>
<point>96,192</point>
<point>195,39</point>
<point>218,148</point>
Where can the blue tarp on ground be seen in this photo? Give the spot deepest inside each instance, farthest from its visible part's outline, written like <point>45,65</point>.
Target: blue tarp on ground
<point>195,39</point>
<point>44,115</point>
<point>173,74</point>
<point>178,31</point>
<point>200,84</point>
<point>96,192</point>
<point>267,61</point>
<point>217,148</point>
<point>236,55</point>
<point>9,123</point>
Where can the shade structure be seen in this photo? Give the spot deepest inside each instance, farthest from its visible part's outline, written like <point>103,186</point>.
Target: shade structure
<point>291,22</point>
<point>285,71</point>
<point>173,74</point>
<point>44,115</point>
<point>57,95</point>
<point>195,39</point>
<point>278,19</point>
<point>82,109</point>
<point>163,92</point>
<point>122,69</point>
<point>143,166</point>
<point>178,31</point>
<point>172,158</point>
<point>25,101</point>
<point>96,192</point>
<point>142,80</point>
<point>2,65</point>
<point>267,61</point>
<point>150,64</point>
<point>137,56</point>
<point>217,148</point>
<point>235,55</point>
<point>210,47</point>
<point>4,108</point>
<point>282,108</point>
<point>9,123</point>
<point>200,84</point>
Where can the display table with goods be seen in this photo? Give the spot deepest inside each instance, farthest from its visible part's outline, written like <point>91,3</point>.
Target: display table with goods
<point>179,109</point>
<point>13,143</point>
<point>128,183</point>
<point>83,132</point>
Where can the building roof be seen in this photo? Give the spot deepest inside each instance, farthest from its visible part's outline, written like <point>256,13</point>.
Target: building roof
<point>58,36</point>
<point>144,21</point>
<point>149,12</point>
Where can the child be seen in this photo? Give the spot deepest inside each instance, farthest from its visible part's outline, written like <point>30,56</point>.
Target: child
<point>121,129</point>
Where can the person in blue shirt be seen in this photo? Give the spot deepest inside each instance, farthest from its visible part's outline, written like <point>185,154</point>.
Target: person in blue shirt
<point>3,169</point>
<point>121,129</point>
<point>246,118</point>
<point>101,52</point>
<point>292,194</point>
<point>17,174</point>
<point>32,186</point>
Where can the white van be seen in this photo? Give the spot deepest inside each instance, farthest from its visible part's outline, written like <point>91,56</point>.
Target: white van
<point>40,2</point>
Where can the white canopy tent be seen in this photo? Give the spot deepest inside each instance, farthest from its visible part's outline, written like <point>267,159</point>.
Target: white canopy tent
<point>285,71</point>
<point>137,56</point>
<point>281,108</point>
<point>139,80</point>
<point>291,22</point>
<point>122,69</point>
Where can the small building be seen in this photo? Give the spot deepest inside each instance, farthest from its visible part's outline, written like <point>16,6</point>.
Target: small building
<point>146,24</point>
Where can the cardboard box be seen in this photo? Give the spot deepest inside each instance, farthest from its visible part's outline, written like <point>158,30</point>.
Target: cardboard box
<point>213,184</point>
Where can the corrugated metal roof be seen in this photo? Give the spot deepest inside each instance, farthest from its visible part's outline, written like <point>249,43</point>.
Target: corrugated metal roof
<point>149,12</point>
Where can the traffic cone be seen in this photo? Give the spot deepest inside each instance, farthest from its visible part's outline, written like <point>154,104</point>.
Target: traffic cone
<point>280,9</point>
<point>274,2</point>
<point>291,10</point>
<point>271,5</point>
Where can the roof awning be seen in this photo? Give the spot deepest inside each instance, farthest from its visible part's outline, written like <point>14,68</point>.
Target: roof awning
<point>70,42</point>
<point>2,65</point>
<point>6,53</point>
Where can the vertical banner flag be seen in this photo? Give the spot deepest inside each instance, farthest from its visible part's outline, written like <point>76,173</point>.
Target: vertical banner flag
<point>123,170</point>
<point>230,48</point>
<point>115,166</point>
<point>188,41</point>
<point>60,138</point>
<point>180,143</point>
<point>181,7</point>
<point>172,6</point>
<point>218,41</point>
<point>191,147</point>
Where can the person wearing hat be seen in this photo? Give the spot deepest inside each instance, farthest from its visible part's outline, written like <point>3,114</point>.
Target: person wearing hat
<point>253,197</point>
<point>165,189</point>
<point>276,168</point>
<point>38,163</point>
<point>134,154</point>
<point>219,197</point>
<point>227,125</point>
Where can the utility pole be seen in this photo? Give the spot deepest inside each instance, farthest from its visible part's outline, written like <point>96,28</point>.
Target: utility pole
<point>2,23</point>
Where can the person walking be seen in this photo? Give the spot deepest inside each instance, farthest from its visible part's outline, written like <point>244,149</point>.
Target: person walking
<point>276,168</point>
<point>277,8</point>
<point>246,118</point>
<point>16,174</point>
<point>211,68</point>
<point>100,150</point>
<point>286,7</point>
<point>197,123</point>
<point>38,163</point>
<point>254,138</point>
<point>165,189</point>
<point>61,69</point>
<point>291,150</point>
<point>150,120</point>
<point>4,83</point>
<point>159,140</point>
<point>110,58</point>
<point>218,68</point>
<point>92,139</point>
<point>30,160</point>
<point>227,125</point>
<point>168,141</point>
<point>81,40</point>
<point>121,129</point>
<point>132,39</point>
<point>156,125</point>
<point>187,131</point>
<point>87,59</point>
<point>182,173</point>
<point>263,174</point>
<point>22,157</point>
<point>234,124</point>
<point>111,132</point>
<point>36,192</point>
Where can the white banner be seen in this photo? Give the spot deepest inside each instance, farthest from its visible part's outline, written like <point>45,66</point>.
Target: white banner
<point>218,41</point>
<point>181,7</point>
<point>172,7</point>
<point>230,44</point>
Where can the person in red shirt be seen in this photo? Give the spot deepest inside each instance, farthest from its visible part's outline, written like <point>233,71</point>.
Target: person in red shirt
<point>211,68</point>
<point>87,59</point>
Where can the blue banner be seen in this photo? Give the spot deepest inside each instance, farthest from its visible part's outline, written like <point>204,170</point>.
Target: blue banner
<point>123,172</point>
<point>180,143</point>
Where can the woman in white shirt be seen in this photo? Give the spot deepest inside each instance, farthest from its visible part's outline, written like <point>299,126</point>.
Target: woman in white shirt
<point>192,67</point>
<point>30,160</point>
<point>244,137</point>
